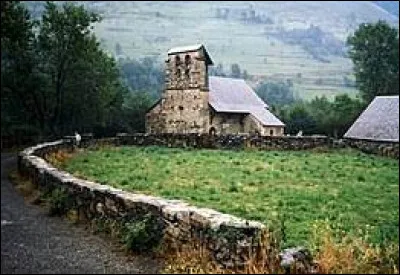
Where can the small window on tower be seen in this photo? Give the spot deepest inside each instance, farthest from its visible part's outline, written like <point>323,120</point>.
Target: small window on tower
<point>187,59</point>
<point>181,108</point>
<point>177,60</point>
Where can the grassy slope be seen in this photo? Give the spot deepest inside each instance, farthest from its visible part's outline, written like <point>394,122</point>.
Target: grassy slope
<point>351,190</point>
<point>151,28</point>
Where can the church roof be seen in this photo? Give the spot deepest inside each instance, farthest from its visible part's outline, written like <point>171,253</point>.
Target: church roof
<point>379,121</point>
<point>236,96</point>
<point>192,48</point>
<point>183,49</point>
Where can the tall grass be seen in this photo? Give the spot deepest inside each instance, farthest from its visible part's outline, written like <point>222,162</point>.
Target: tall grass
<point>348,255</point>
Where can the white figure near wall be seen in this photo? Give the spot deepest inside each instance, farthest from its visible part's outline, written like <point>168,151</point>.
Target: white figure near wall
<point>77,139</point>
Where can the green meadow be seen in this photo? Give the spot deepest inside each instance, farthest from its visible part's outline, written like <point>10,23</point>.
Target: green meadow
<point>357,194</point>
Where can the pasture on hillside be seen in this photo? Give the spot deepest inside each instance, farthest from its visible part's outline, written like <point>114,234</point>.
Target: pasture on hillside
<point>357,194</point>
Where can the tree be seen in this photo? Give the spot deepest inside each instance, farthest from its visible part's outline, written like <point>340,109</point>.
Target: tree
<point>245,75</point>
<point>275,93</point>
<point>374,50</point>
<point>17,68</point>
<point>58,76</point>
<point>118,49</point>
<point>320,116</point>
<point>217,71</point>
<point>143,75</point>
<point>321,110</point>
<point>64,41</point>
<point>299,119</point>
<point>334,118</point>
<point>235,71</point>
<point>134,110</point>
<point>346,111</point>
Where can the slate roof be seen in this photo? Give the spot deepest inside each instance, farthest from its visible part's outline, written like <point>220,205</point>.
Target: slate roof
<point>379,121</point>
<point>235,96</point>
<point>192,48</point>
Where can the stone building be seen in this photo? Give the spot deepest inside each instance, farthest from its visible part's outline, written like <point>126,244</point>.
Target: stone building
<point>193,102</point>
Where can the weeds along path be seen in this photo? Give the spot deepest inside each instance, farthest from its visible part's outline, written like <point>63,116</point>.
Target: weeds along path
<point>32,242</point>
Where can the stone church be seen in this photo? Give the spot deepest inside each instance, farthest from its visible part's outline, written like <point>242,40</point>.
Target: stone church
<point>193,102</point>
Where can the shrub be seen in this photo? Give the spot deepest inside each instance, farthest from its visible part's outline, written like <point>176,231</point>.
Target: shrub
<point>144,234</point>
<point>59,202</point>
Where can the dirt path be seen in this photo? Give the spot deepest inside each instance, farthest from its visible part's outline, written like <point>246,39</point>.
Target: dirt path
<point>32,242</point>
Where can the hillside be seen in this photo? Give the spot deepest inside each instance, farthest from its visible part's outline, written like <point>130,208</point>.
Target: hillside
<point>300,41</point>
<point>390,6</point>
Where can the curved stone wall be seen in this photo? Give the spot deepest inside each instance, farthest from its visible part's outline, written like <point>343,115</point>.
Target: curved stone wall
<point>229,238</point>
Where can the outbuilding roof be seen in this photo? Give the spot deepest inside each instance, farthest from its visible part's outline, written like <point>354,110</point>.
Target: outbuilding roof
<point>379,121</point>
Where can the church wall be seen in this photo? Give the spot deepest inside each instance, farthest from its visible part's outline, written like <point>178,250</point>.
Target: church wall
<point>227,123</point>
<point>184,106</point>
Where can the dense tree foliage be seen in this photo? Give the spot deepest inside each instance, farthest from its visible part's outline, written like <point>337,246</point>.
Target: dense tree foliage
<point>374,49</point>
<point>143,75</point>
<point>54,73</point>
<point>320,116</point>
<point>17,66</point>
<point>276,93</point>
<point>234,72</point>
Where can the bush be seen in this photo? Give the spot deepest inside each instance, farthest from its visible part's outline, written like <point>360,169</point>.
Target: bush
<point>59,202</point>
<point>144,234</point>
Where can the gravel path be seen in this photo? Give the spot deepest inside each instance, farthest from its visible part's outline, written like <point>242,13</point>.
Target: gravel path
<point>32,242</point>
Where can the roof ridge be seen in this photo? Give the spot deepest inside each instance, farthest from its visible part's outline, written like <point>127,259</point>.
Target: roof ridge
<point>185,48</point>
<point>230,78</point>
<point>383,96</point>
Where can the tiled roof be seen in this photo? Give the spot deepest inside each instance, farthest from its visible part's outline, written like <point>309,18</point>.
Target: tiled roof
<point>191,48</point>
<point>185,49</point>
<point>236,96</point>
<point>379,121</point>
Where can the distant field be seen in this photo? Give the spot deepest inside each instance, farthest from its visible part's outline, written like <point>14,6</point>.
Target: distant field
<point>353,192</point>
<point>141,33</point>
<point>151,28</point>
<point>260,36</point>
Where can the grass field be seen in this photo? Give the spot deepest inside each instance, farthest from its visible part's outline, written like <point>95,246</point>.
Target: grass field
<point>355,193</point>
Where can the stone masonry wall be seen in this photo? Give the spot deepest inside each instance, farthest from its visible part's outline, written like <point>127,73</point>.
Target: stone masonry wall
<point>229,238</point>
<point>185,111</point>
<point>227,123</point>
<point>226,141</point>
<point>388,149</point>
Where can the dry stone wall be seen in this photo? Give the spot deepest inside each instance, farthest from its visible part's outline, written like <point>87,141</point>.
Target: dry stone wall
<point>229,238</point>
<point>225,141</point>
<point>388,149</point>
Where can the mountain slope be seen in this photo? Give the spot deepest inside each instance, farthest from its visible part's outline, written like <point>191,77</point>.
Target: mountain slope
<point>303,42</point>
<point>390,6</point>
